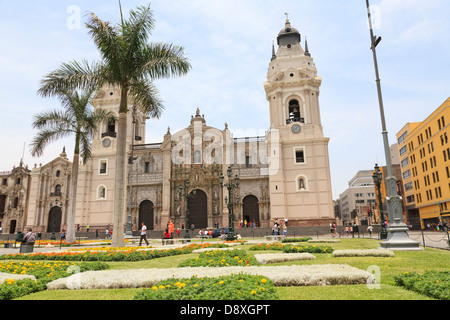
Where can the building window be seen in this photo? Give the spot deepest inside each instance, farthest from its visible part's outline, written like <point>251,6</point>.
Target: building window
<point>405,162</point>
<point>103,167</point>
<point>403,150</point>
<point>57,190</point>
<point>299,154</point>
<point>147,167</point>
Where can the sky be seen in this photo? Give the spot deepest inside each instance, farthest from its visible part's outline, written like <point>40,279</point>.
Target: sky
<point>229,44</point>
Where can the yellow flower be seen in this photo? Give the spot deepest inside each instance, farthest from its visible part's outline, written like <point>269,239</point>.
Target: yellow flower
<point>221,282</point>
<point>161,287</point>
<point>253,292</point>
<point>155,288</point>
<point>263,280</point>
<point>10,281</point>
<point>196,285</point>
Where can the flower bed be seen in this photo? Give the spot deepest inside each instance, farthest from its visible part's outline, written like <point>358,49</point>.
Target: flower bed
<point>435,284</point>
<point>220,258</point>
<point>282,257</point>
<point>21,278</point>
<point>311,249</point>
<point>132,254</point>
<point>363,253</point>
<point>295,275</point>
<point>233,287</point>
<point>269,246</point>
<point>290,248</point>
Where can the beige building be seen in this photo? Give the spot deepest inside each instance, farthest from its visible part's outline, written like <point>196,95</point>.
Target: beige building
<point>282,175</point>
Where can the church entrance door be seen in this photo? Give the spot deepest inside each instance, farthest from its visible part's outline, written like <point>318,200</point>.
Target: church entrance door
<point>146,215</point>
<point>251,210</point>
<point>198,210</point>
<point>54,220</point>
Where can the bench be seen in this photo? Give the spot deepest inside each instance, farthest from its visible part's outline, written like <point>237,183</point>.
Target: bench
<point>26,247</point>
<point>272,237</point>
<point>168,241</point>
<point>204,236</point>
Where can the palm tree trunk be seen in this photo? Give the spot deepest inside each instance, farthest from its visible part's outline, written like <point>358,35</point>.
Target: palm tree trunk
<point>70,235</point>
<point>119,188</point>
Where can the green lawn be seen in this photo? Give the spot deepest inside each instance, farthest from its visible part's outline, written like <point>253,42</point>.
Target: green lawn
<point>404,261</point>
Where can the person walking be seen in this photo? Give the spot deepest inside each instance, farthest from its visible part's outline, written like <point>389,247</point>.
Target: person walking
<point>370,229</point>
<point>143,234</point>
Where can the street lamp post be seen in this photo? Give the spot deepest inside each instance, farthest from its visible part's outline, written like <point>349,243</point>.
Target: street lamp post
<point>230,201</point>
<point>186,196</point>
<point>377,178</point>
<point>441,208</point>
<point>131,160</point>
<point>398,238</point>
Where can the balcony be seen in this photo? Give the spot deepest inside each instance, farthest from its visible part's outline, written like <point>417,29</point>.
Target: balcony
<point>109,134</point>
<point>295,119</point>
<point>55,194</point>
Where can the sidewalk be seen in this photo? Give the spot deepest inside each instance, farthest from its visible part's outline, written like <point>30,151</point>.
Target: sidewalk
<point>432,239</point>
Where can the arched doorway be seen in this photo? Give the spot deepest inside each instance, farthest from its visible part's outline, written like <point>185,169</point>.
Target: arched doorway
<point>12,226</point>
<point>146,215</point>
<point>251,209</point>
<point>54,220</point>
<point>198,210</point>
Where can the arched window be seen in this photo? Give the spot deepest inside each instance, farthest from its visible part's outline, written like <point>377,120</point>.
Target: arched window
<point>57,190</point>
<point>294,112</point>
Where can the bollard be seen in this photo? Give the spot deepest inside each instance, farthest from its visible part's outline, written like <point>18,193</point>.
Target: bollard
<point>423,239</point>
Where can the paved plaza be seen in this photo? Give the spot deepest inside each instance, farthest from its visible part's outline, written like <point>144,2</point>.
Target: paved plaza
<point>432,239</point>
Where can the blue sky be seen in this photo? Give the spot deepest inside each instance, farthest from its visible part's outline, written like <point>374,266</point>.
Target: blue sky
<point>229,45</point>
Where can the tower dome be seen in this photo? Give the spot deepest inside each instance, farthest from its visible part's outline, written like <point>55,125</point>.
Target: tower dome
<point>288,35</point>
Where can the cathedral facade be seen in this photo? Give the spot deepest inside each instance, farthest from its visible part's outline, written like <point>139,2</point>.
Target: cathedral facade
<point>282,175</point>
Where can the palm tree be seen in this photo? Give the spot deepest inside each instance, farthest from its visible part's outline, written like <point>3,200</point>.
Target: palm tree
<point>77,118</point>
<point>127,62</point>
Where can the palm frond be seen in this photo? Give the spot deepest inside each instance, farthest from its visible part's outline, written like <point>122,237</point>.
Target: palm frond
<point>137,29</point>
<point>54,119</point>
<point>161,60</point>
<point>146,97</point>
<point>107,40</point>
<point>72,76</point>
<point>44,137</point>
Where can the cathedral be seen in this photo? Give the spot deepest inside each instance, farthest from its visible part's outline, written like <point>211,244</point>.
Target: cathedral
<point>284,174</point>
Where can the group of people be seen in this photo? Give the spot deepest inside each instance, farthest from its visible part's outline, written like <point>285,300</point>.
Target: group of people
<point>247,224</point>
<point>279,228</point>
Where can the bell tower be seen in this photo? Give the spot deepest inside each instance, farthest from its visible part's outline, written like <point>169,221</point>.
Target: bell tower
<point>299,170</point>
<point>96,185</point>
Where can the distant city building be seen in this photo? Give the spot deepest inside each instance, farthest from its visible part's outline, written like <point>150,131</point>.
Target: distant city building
<point>358,198</point>
<point>425,158</point>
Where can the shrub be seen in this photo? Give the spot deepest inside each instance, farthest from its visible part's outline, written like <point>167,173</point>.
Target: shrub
<point>232,287</point>
<point>309,249</point>
<point>44,272</point>
<point>220,258</point>
<point>435,284</point>
<point>304,239</point>
<point>270,246</point>
<point>363,253</point>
